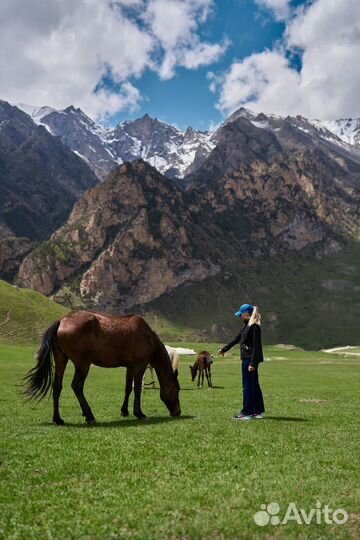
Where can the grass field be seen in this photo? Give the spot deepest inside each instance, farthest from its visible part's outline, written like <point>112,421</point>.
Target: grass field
<point>202,476</point>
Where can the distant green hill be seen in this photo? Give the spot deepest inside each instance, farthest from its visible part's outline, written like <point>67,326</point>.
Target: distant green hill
<point>25,314</point>
<point>309,302</point>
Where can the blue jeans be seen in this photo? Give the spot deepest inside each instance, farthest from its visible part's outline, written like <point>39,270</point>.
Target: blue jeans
<point>253,399</point>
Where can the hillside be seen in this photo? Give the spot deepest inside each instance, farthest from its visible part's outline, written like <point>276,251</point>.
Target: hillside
<point>304,300</point>
<point>312,303</point>
<point>25,314</point>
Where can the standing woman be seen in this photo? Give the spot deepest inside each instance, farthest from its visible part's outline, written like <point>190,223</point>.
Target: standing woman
<point>251,356</point>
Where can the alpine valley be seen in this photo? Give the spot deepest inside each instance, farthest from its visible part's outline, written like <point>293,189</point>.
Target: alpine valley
<point>185,225</point>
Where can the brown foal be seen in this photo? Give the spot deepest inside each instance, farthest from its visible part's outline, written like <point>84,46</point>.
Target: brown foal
<point>203,365</point>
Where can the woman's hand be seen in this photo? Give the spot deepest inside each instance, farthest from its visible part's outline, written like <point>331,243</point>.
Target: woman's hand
<point>251,368</point>
<point>221,352</point>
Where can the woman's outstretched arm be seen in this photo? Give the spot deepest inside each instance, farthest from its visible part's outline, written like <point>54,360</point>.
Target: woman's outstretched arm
<point>230,345</point>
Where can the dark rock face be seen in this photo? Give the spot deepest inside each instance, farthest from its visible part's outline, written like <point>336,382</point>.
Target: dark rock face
<point>88,140</point>
<point>40,179</point>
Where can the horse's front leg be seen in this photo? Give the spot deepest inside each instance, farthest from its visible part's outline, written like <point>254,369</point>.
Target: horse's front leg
<point>152,376</point>
<point>137,389</point>
<point>124,411</point>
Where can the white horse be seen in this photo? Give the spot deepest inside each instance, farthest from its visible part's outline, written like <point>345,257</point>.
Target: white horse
<point>174,355</point>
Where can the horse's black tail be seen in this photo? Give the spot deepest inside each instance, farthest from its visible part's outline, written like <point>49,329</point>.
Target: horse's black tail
<point>38,381</point>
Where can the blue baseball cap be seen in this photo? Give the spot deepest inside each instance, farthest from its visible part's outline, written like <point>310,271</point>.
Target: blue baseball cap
<point>245,308</point>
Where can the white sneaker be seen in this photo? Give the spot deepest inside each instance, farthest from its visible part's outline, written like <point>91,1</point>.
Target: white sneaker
<point>258,416</point>
<point>241,417</point>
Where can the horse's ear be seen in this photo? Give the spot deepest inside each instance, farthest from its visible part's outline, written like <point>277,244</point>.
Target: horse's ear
<point>176,373</point>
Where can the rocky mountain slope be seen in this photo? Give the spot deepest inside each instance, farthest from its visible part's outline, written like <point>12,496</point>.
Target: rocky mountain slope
<point>137,235</point>
<point>127,241</point>
<point>265,187</point>
<point>40,179</point>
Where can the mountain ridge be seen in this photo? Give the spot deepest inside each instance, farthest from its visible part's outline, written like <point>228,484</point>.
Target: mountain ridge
<point>174,152</point>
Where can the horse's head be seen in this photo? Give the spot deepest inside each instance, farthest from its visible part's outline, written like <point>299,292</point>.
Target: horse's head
<point>169,394</point>
<point>193,370</point>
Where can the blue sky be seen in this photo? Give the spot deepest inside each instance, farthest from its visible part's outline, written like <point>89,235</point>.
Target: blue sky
<point>186,100</point>
<point>187,62</point>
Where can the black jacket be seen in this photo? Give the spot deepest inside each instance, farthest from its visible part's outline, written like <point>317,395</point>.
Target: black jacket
<point>250,344</point>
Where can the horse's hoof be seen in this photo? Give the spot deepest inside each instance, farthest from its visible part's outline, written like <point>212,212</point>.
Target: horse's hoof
<point>58,421</point>
<point>141,416</point>
<point>90,421</point>
<point>124,413</point>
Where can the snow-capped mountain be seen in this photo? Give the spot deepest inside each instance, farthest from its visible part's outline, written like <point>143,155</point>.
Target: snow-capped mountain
<point>346,130</point>
<point>36,113</point>
<point>171,151</point>
<point>165,147</point>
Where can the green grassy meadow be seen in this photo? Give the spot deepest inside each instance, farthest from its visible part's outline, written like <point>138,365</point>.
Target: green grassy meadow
<point>202,476</point>
<point>24,314</point>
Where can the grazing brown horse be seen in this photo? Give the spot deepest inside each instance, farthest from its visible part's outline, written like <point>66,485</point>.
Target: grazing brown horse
<point>203,365</point>
<point>86,338</point>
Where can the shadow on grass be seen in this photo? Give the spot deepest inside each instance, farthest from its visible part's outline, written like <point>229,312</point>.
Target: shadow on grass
<point>123,422</point>
<point>195,388</point>
<point>286,418</point>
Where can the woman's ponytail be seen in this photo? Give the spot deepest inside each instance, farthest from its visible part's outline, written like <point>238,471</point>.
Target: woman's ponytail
<point>255,317</point>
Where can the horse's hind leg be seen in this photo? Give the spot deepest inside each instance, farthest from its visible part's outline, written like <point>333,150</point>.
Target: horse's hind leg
<point>60,365</point>
<point>208,376</point>
<point>209,379</point>
<point>137,389</point>
<point>128,389</point>
<point>77,385</point>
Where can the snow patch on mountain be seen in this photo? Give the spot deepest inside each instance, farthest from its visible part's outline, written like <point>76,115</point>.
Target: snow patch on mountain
<point>346,129</point>
<point>36,113</point>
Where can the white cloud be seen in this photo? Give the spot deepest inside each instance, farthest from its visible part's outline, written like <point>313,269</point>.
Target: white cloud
<point>106,103</point>
<point>175,23</point>
<point>56,52</point>
<point>327,86</point>
<point>279,8</point>
<point>260,80</point>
